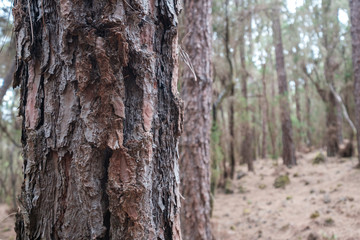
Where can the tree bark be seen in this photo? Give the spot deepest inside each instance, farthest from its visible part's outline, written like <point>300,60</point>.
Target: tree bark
<point>272,125</point>
<point>332,125</point>
<point>309,141</point>
<point>355,34</point>
<point>288,153</point>
<point>231,93</point>
<point>195,141</point>
<point>265,113</point>
<point>246,145</point>
<point>101,119</point>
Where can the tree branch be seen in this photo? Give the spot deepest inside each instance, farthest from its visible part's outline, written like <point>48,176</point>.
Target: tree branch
<point>7,81</point>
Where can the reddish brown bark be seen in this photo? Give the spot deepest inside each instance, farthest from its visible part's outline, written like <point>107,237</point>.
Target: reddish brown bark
<point>101,119</point>
<point>288,153</point>
<point>355,34</point>
<point>195,141</point>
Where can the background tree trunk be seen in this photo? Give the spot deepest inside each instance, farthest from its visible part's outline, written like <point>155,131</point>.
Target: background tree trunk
<point>101,119</point>
<point>332,125</point>
<point>309,140</point>
<point>195,141</point>
<point>355,34</point>
<point>265,113</point>
<point>231,93</point>
<point>246,145</point>
<point>288,153</point>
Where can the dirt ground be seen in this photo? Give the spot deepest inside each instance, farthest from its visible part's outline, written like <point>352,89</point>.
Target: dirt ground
<point>330,192</point>
<point>7,220</point>
<point>321,200</point>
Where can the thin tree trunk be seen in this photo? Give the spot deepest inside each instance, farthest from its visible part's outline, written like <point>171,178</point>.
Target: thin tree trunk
<point>309,141</point>
<point>298,114</point>
<point>232,92</point>
<point>355,35</point>
<point>7,81</point>
<point>101,119</point>
<point>272,125</point>
<point>332,125</point>
<point>246,149</point>
<point>288,153</point>
<point>265,113</point>
<point>195,141</point>
<point>340,123</point>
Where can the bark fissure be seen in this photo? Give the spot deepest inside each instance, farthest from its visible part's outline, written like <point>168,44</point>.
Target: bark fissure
<point>95,165</point>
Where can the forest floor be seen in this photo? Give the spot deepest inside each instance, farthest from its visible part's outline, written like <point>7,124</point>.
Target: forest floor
<point>322,202</point>
<point>7,221</point>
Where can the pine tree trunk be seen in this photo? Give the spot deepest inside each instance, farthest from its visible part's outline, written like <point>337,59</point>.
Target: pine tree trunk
<point>355,34</point>
<point>246,145</point>
<point>265,114</point>
<point>232,92</point>
<point>332,125</point>
<point>309,141</point>
<point>195,141</point>
<point>299,138</point>
<point>101,119</point>
<point>288,153</point>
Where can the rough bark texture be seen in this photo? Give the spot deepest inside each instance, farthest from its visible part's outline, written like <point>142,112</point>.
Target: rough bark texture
<point>288,153</point>
<point>195,141</point>
<point>101,119</point>
<point>355,34</point>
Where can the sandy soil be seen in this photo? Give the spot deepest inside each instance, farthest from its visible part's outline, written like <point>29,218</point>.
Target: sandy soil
<point>7,221</point>
<point>263,212</point>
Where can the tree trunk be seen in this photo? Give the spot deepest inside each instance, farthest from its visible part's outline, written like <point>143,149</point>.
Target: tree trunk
<point>232,92</point>
<point>355,34</point>
<point>246,149</point>
<point>288,153</point>
<point>265,113</point>
<point>7,81</point>
<point>340,123</point>
<point>309,141</point>
<point>332,125</point>
<point>195,141</point>
<point>232,133</point>
<point>299,129</point>
<point>272,125</point>
<point>101,119</point>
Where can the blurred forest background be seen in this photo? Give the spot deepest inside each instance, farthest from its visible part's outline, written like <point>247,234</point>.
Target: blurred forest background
<point>246,104</point>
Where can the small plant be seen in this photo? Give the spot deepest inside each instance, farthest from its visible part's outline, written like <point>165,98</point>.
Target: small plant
<point>281,181</point>
<point>314,215</point>
<point>241,189</point>
<point>320,158</point>
<point>262,186</point>
<point>329,222</point>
